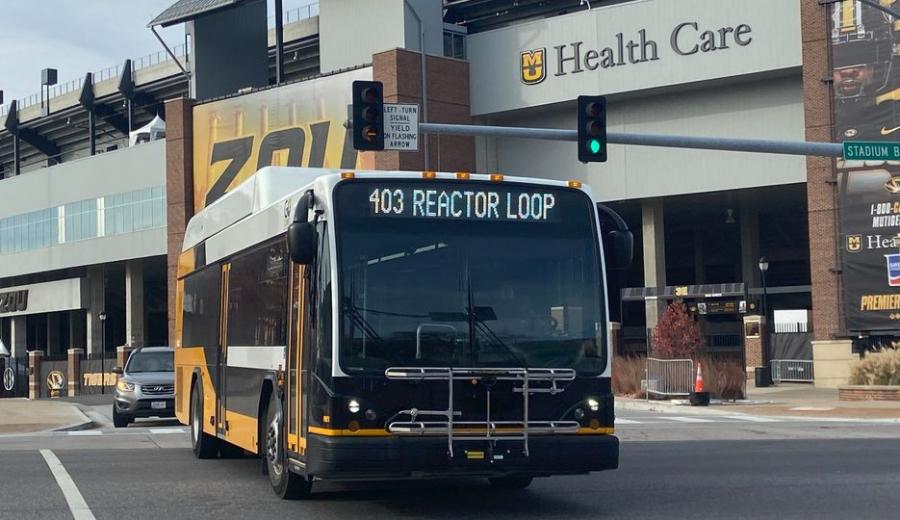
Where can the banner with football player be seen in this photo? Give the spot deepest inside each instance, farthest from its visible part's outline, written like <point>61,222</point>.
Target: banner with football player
<point>866,77</point>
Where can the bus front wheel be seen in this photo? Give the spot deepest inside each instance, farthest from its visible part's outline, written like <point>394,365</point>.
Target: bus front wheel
<point>205,446</point>
<point>286,484</point>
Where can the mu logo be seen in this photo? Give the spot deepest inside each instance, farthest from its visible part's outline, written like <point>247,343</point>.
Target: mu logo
<point>854,243</point>
<point>532,66</point>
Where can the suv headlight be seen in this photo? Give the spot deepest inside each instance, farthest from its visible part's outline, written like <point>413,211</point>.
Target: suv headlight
<point>124,386</point>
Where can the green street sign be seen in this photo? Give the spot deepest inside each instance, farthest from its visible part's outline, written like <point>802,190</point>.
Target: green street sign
<point>871,151</point>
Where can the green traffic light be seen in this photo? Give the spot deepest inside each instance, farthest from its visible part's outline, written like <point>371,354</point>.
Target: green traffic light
<point>595,146</point>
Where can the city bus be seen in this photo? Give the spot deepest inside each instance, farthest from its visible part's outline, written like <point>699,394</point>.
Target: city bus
<point>354,326</point>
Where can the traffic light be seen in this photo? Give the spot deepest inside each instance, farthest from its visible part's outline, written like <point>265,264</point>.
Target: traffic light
<point>368,115</point>
<point>591,129</point>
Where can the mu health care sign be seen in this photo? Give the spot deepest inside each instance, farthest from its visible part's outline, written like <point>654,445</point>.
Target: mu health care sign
<point>630,47</point>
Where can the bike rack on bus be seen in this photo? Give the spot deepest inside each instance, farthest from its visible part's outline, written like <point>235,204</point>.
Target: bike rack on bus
<point>525,381</point>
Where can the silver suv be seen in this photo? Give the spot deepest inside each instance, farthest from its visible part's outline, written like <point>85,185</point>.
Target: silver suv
<point>146,387</point>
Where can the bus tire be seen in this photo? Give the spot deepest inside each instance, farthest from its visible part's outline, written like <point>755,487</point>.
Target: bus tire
<point>205,446</point>
<point>513,483</point>
<point>285,483</point>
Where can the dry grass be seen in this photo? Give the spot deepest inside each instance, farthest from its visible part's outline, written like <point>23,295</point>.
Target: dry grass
<point>627,374</point>
<point>877,368</point>
<point>723,378</point>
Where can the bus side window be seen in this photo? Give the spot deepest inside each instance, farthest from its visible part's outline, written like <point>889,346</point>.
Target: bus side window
<point>201,310</point>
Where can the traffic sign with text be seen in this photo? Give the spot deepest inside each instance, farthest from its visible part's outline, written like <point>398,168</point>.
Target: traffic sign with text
<point>871,151</point>
<point>401,127</point>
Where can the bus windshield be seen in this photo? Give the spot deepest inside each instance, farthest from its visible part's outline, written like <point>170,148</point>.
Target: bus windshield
<point>468,274</point>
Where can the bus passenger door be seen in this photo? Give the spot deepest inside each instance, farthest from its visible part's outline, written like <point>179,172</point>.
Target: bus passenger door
<point>296,423</point>
<point>221,358</point>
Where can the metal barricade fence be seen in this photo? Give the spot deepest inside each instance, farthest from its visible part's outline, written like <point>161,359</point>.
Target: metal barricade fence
<point>792,370</point>
<point>669,377</point>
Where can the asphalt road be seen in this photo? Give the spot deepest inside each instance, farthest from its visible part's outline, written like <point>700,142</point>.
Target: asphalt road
<point>767,469</point>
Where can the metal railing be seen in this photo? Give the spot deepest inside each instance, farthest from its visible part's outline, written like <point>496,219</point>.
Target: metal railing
<point>669,377</point>
<point>289,16</point>
<point>792,370</point>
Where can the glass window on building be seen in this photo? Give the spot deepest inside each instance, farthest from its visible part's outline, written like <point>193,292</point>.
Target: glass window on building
<point>134,211</point>
<point>81,220</point>
<point>454,45</point>
<point>28,231</point>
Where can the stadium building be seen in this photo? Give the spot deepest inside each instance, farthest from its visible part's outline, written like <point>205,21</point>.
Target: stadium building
<point>91,223</point>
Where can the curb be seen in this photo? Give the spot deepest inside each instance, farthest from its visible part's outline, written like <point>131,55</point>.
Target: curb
<point>656,406</point>
<point>85,424</point>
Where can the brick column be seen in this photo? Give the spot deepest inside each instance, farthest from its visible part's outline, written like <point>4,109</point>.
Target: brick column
<point>754,342</point>
<point>122,354</point>
<point>74,370</point>
<point>179,189</point>
<point>820,177</point>
<point>448,102</point>
<point>34,374</point>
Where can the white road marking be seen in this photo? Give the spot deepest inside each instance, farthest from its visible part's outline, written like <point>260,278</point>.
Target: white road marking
<point>161,431</point>
<point>627,421</point>
<point>77,505</point>
<point>812,409</point>
<point>687,419</point>
<point>85,432</point>
<point>752,418</point>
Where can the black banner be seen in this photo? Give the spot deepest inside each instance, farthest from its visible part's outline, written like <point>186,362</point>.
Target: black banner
<point>97,376</point>
<point>866,79</point>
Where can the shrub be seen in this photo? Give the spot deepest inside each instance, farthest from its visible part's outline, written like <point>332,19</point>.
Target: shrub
<point>877,368</point>
<point>677,335</point>
<point>627,374</point>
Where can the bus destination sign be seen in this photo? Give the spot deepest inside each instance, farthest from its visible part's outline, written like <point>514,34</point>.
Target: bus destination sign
<point>502,205</point>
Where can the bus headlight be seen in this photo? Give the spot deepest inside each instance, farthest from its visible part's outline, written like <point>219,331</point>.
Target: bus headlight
<point>353,406</point>
<point>593,405</point>
<point>579,414</point>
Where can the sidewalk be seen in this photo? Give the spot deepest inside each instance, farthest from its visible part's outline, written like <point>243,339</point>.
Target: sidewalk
<point>796,400</point>
<point>20,415</point>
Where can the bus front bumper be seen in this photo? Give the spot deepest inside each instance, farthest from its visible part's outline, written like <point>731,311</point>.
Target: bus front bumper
<point>368,458</point>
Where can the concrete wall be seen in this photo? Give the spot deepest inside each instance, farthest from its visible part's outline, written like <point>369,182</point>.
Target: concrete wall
<point>766,108</point>
<point>109,173</point>
<point>344,25</point>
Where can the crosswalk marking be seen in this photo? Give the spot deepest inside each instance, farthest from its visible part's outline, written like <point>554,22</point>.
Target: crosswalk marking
<point>626,421</point>
<point>161,431</point>
<point>85,432</point>
<point>752,418</point>
<point>687,419</point>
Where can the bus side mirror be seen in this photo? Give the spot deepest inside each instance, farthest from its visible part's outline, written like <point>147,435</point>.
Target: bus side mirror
<point>622,248</point>
<point>618,240</point>
<point>301,234</point>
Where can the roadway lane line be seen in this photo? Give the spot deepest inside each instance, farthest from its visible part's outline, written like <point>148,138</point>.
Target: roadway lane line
<point>686,419</point>
<point>627,421</point>
<point>77,505</point>
<point>84,433</point>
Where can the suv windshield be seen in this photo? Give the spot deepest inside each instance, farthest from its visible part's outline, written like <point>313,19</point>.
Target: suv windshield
<point>468,274</point>
<point>151,361</point>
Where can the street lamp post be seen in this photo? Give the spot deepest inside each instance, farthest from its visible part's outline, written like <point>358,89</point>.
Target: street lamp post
<point>102,352</point>
<point>763,267</point>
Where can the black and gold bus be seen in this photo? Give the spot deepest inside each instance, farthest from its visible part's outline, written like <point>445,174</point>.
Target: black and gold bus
<point>390,325</point>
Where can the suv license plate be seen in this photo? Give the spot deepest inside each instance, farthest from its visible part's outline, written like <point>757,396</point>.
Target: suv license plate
<point>158,405</point>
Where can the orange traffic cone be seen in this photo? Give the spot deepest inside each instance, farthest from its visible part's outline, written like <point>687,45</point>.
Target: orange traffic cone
<point>698,383</point>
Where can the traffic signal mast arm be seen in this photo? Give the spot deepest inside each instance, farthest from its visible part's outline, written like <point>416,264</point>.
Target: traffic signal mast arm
<point>817,149</point>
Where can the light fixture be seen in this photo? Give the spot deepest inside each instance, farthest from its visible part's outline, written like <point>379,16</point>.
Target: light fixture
<point>102,316</point>
<point>763,264</point>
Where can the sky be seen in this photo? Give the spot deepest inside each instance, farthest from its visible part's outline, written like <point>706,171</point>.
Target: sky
<point>76,37</point>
